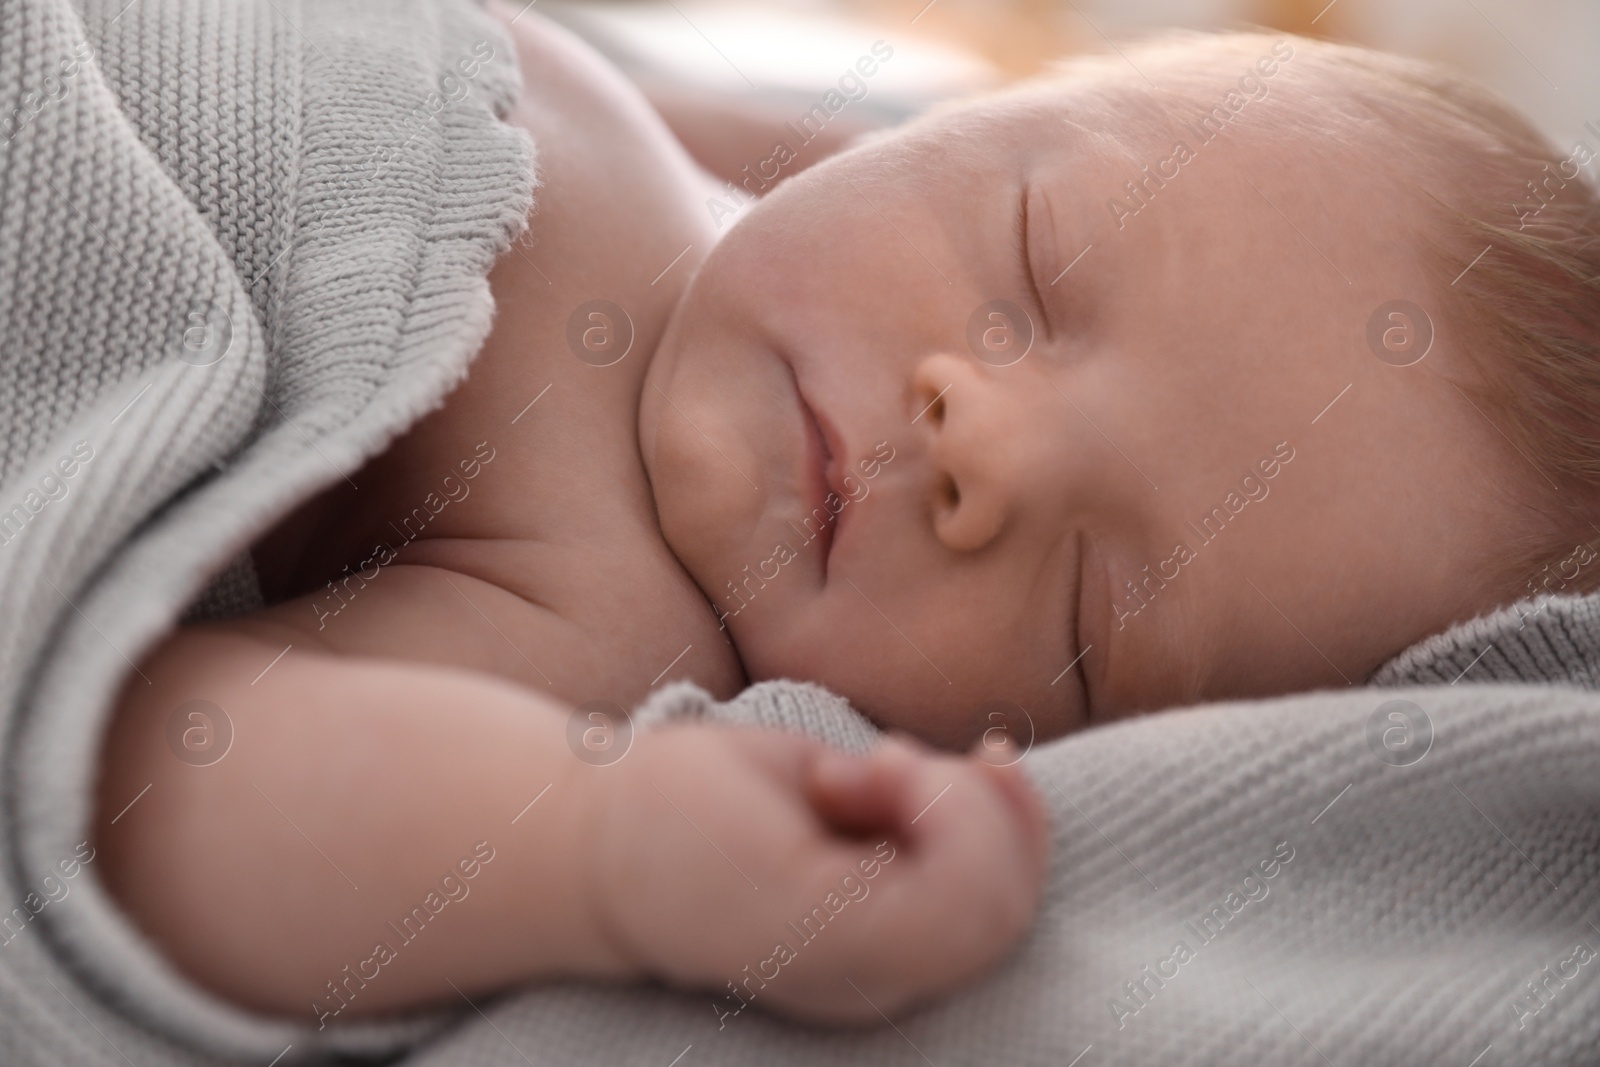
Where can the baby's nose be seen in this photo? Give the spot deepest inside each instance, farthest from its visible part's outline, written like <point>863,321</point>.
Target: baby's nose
<point>961,416</point>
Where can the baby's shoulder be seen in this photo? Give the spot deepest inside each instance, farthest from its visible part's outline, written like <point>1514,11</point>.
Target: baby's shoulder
<point>587,119</point>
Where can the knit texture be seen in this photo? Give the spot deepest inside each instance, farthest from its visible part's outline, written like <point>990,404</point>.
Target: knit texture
<point>799,707</point>
<point>243,244</point>
<point>1548,638</point>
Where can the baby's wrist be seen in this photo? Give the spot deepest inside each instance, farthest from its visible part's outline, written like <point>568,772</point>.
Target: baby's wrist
<point>659,905</point>
<point>602,830</point>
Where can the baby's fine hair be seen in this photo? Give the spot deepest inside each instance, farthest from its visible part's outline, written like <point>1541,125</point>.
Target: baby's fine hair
<point>1510,232</point>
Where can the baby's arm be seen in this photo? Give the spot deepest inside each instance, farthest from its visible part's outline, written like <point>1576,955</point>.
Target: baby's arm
<point>352,786</point>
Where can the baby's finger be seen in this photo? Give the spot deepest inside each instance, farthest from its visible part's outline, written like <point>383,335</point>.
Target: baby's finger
<point>855,794</point>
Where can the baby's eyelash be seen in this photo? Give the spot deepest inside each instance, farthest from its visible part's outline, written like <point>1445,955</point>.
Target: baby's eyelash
<point>1027,258</point>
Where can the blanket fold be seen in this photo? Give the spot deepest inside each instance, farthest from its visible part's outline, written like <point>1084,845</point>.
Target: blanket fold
<point>243,245</point>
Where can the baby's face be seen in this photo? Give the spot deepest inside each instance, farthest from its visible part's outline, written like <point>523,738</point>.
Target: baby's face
<point>1197,482</point>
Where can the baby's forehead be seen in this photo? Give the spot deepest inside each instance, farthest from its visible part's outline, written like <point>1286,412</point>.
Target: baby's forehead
<point>1209,97</point>
<point>1091,112</point>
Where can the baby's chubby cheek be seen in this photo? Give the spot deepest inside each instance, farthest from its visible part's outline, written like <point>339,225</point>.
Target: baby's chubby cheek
<point>720,436</point>
<point>701,521</point>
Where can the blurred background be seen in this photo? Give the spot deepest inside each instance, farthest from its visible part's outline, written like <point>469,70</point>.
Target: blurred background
<point>754,61</point>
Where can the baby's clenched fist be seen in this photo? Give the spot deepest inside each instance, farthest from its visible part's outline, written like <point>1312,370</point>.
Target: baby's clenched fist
<point>773,870</point>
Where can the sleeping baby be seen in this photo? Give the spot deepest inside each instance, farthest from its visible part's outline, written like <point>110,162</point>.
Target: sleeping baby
<point>1230,366</point>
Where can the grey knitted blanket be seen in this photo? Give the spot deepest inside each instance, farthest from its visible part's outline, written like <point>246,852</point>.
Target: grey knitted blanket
<point>243,245</point>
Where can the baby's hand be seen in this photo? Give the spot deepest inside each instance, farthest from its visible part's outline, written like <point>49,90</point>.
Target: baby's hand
<point>767,867</point>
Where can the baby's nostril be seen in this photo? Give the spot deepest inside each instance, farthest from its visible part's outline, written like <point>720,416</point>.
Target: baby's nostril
<point>933,408</point>
<point>952,493</point>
